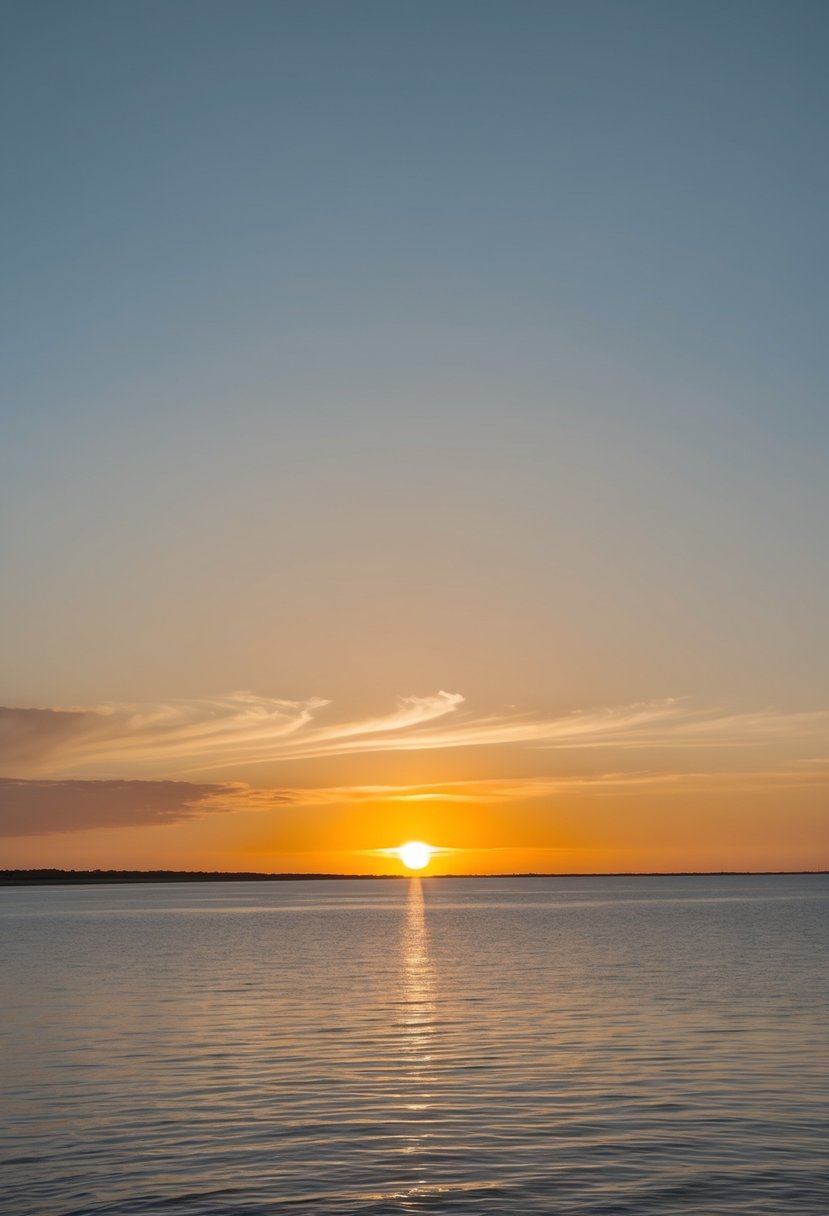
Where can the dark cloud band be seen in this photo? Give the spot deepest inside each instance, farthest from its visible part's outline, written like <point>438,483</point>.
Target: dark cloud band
<point>39,808</point>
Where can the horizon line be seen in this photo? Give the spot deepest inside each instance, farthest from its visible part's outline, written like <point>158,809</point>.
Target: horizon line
<point>48,874</point>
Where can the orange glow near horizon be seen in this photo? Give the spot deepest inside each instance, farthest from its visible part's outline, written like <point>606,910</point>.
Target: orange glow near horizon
<point>578,834</point>
<point>641,789</point>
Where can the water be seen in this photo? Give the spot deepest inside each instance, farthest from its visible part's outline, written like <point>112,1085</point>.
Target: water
<point>586,1046</point>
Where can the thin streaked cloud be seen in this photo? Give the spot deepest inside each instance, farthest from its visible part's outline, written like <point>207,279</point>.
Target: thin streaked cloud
<point>182,738</point>
<point>34,807</point>
<point>498,790</point>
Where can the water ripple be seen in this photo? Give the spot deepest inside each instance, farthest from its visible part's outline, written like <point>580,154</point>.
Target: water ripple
<point>592,1047</point>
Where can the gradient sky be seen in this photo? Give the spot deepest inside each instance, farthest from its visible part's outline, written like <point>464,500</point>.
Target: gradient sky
<point>415,425</point>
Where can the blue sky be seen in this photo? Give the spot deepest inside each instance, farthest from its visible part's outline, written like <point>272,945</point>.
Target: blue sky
<point>361,350</point>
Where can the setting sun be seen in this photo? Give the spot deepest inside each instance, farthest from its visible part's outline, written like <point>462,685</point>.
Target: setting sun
<point>415,855</point>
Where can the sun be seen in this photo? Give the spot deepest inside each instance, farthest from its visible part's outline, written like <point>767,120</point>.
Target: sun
<point>415,855</point>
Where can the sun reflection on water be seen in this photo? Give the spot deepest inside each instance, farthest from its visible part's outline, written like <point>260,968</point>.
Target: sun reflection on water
<point>417,1021</point>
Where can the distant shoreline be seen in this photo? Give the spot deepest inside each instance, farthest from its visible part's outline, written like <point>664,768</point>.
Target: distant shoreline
<point>50,877</point>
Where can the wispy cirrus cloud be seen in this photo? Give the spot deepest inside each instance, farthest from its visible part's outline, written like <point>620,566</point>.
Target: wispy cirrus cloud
<point>243,730</point>
<point>221,728</point>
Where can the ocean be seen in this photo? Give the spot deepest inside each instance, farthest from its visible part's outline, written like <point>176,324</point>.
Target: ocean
<point>588,1046</point>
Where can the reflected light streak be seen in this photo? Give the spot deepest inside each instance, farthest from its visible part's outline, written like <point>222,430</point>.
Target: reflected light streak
<point>417,1019</point>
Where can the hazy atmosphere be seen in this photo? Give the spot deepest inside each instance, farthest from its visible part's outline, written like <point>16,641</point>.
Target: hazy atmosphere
<point>415,427</point>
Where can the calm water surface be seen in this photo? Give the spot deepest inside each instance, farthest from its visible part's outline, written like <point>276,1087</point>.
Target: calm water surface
<point>588,1046</point>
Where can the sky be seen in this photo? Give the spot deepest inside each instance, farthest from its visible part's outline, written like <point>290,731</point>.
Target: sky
<point>414,426</point>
